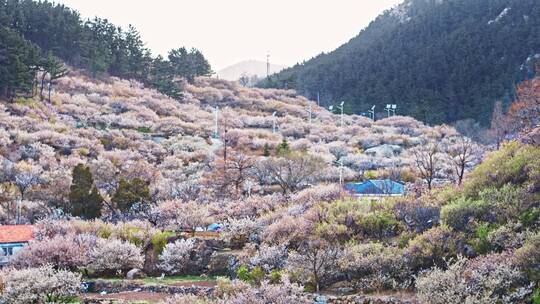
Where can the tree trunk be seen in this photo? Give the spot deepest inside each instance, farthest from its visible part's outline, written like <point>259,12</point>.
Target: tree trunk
<point>50,88</point>
<point>42,86</point>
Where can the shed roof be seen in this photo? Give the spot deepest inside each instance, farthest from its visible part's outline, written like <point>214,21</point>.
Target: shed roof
<point>16,233</point>
<point>376,187</point>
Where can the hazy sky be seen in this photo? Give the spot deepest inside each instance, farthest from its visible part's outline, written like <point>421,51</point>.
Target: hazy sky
<point>229,31</point>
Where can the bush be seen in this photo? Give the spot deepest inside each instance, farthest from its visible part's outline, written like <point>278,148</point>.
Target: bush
<point>432,248</point>
<point>160,239</point>
<point>176,256</point>
<point>459,214</point>
<point>67,252</point>
<point>187,299</point>
<point>39,285</point>
<point>238,232</point>
<point>235,292</point>
<point>113,256</point>
<point>376,267</point>
<point>528,257</point>
<point>416,215</point>
<point>515,163</point>
<point>269,257</point>
<point>488,279</point>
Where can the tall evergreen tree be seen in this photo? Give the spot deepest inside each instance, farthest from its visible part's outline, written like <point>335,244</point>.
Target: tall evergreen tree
<point>84,196</point>
<point>130,193</point>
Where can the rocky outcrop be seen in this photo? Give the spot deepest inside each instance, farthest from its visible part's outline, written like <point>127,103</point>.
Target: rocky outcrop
<point>135,274</point>
<point>384,151</point>
<point>531,137</point>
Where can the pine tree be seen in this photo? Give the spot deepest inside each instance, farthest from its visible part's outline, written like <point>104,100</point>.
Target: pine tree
<point>266,150</point>
<point>130,193</point>
<point>283,148</point>
<point>84,197</point>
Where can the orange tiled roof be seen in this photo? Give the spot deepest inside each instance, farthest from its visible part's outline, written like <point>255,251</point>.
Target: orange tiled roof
<point>16,233</point>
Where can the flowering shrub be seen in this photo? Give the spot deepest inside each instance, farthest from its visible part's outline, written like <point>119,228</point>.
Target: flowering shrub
<point>64,252</point>
<point>238,232</point>
<point>237,292</point>
<point>38,285</point>
<point>175,256</point>
<point>269,257</point>
<point>489,279</point>
<point>112,256</point>
<point>432,247</point>
<point>187,299</point>
<point>376,267</point>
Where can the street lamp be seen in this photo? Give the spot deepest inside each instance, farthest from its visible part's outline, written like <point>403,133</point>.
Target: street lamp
<point>391,108</point>
<point>372,112</point>
<point>340,107</point>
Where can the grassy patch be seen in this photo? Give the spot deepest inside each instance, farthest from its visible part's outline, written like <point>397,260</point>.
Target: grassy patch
<point>169,280</point>
<point>178,279</point>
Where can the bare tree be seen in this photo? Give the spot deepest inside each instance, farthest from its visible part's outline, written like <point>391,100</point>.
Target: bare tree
<point>244,80</point>
<point>292,171</point>
<point>461,154</point>
<point>230,175</point>
<point>427,161</point>
<point>316,261</point>
<point>500,124</point>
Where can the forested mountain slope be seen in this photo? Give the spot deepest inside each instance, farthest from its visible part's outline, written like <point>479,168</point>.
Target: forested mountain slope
<point>35,36</point>
<point>439,60</point>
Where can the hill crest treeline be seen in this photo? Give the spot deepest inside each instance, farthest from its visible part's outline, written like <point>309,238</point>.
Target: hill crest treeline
<point>440,61</point>
<point>33,30</point>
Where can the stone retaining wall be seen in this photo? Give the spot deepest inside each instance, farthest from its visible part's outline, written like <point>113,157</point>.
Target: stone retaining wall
<point>116,287</point>
<point>365,299</point>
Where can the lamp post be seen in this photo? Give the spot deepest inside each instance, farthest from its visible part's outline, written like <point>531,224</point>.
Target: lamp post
<point>340,107</point>
<point>372,112</point>
<point>391,108</point>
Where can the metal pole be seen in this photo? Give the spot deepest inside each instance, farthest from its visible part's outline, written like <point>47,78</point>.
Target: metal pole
<point>318,100</point>
<point>341,173</point>
<point>216,116</point>
<point>341,116</point>
<point>274,122</point>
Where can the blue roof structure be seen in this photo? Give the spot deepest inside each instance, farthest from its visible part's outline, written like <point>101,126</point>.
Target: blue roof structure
<point>376,187</point>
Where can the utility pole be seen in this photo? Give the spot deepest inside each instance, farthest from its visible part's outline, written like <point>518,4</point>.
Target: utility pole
<point>216,118</point>
<point>268,65</point>
<point>341,107</point>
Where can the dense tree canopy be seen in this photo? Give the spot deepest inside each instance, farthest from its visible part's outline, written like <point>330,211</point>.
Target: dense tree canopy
<point>30,30</point>
<point>440,61</point>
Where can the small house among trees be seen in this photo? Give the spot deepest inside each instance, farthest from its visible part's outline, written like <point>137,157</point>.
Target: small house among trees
<point>12,239</point>
<point>384,187</point>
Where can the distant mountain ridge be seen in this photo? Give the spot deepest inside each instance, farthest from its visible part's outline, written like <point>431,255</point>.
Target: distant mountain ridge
<point>439,60</point>
<point>248,68</point>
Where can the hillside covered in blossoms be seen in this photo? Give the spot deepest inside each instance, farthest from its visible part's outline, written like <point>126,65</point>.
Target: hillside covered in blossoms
<point>132,178</point>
